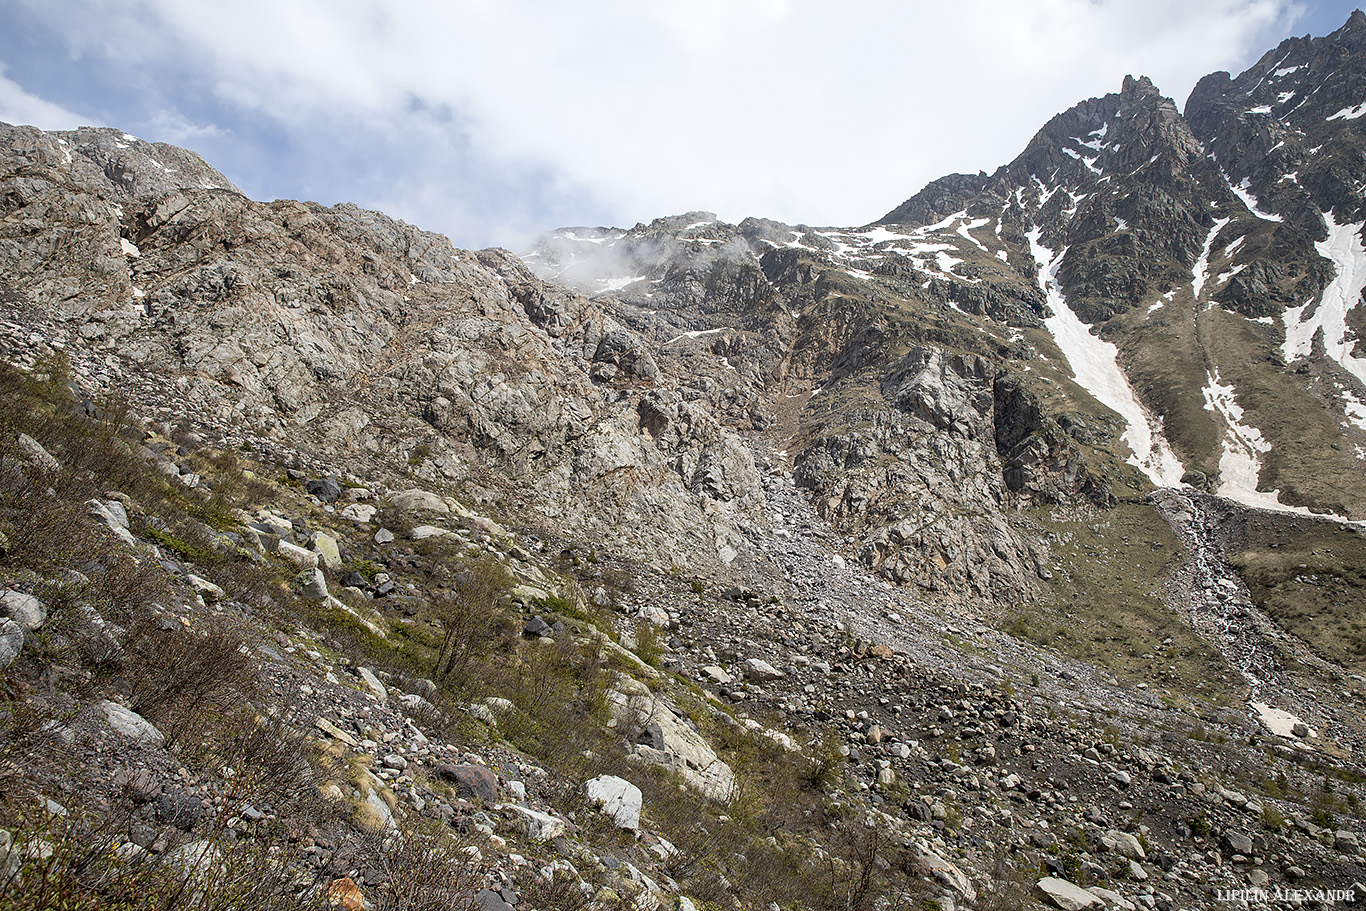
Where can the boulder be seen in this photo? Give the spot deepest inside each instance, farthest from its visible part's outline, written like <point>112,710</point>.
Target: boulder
<point>618,798</point>
<point>24,609</point>
<point>327,549</point>
<point>683,749</point>
<point>34,453</point>
<point>930,863</point>
<point>313,584</point>
<point>1123,844</point>
<point>759,669</point>
<point>360,513</point>
<point>11,642</point>
<point>112,516</point>
<point>537,826</point>
<point>373,684</point>
<point>419,501</point>
<point>301,558</point>
<point>1066,895</point>
<point>716,674</point>
<point>207,590</point>
<point>470,780</point>
<point>325,489</point>
<point>1238,843</point>
<point>131,725</point>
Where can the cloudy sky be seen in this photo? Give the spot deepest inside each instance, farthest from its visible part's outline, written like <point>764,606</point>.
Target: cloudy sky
<point>494,120</point>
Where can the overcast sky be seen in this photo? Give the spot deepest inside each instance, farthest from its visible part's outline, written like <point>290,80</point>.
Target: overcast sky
<point>495,120</point>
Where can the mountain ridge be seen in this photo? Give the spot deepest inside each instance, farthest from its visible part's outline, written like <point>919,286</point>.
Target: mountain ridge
<point>1090,428</point>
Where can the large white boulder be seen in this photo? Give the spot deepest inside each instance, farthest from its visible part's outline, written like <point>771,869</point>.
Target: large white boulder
<point>618,798</point>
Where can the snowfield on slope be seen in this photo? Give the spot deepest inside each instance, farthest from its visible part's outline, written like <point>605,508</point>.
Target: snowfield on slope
<point>1344,248</point>
<point>1095,368</point>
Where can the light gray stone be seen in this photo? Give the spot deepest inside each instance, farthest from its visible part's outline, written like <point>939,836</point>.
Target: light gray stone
<point>11,642</point>
<point>132,725</point>
<point>111,514</point>
<point>759,669</point>
<point>300,557</point>
<point>313,584</point>
<point>360,513</point>
<point>684,750</point>
<point>1066,895</point>
<point>36,455</point>
<point>933,864</point>
<point>419,501</point>
<point>373,684</point>
<point>207,590</point>
<point>24,609</point>
<point>1124,844</point>
<point>618,798</point>
<point>538,826</point>
<point>327,549</point>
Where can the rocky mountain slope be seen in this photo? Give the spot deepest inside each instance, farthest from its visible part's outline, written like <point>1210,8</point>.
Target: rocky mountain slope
<point>1008,543</point>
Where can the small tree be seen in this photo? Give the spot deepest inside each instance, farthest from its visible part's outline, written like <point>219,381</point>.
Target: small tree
<point>470,618</point>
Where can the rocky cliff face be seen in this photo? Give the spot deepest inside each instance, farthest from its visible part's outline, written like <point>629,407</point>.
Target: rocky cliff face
<point>343,331</point>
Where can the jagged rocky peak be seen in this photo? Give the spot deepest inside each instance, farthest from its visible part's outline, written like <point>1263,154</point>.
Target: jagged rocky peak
<point>940,198</point>
<point>1287,132</point>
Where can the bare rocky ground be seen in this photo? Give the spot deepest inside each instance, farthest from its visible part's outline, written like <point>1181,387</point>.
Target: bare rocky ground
<point>999,769</point>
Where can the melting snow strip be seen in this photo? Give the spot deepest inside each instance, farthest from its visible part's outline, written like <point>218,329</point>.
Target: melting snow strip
<point>1252,203</point>
<point>1344,248</point>
<point>1096,370</point>
<point>1241,463</point>
<point>1201,271</point>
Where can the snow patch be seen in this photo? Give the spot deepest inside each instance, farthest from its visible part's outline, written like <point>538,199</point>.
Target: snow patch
<point>973,225</point>
<point>1201,271</point>
<point>1249,200</point>
<point>1354,407</point>
<point>129,248</point>
<point>1157,306</point>
<point>616,284</point>
<point>1287,70</point>
<point>1351,113</point>
<point>1344,248</point>
<point>1278,721</point>
<point>1243,445</point>
<point>1241,462</point>
<point>1121,224</point>
<point>701,333</point>
<point>1225,276</point>
<point>1096,370</point>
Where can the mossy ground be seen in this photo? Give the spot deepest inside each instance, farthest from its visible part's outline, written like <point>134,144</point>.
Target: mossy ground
<point>1105,603</point>
<point>1310,577</point>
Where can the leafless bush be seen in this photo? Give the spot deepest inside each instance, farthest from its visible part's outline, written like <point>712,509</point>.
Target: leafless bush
<point>83,861</point>
<point>470,618</point>
<point>425,870</point>
<point>177,675</point>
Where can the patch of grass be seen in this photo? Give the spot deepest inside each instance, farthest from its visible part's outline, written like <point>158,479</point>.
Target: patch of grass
<point>1310,577</point>
<point>1105,606</point>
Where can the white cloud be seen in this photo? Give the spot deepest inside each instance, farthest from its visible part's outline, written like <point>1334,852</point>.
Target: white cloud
<point>800,110</point>
<point>20,107</point>
<point>177,129</point>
